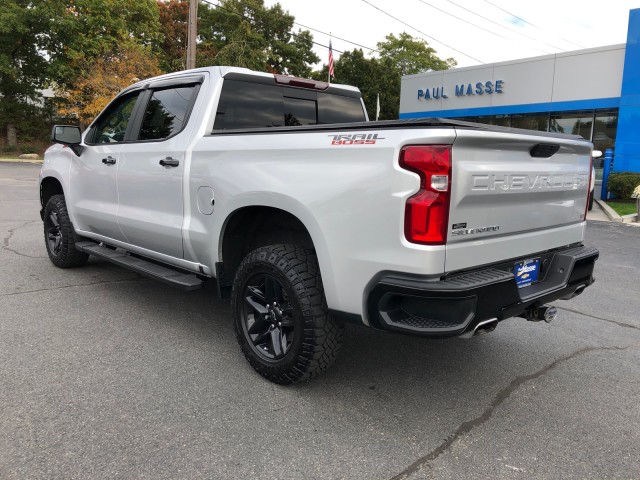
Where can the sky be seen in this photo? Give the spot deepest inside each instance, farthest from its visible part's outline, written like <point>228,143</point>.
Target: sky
<point>486,31</point>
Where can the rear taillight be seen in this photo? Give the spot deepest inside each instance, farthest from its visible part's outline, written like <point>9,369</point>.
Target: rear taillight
<point>586,207</point>
<point>427,212</point>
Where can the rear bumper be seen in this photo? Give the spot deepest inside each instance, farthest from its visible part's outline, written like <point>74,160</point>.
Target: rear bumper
<point>458,303</point>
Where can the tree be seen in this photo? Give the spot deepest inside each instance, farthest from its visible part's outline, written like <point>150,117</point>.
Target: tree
<point>173,17</point>
<point>58,42</point>
<point>109,75</point>
<point>245,33</point>
<point>381,75</point>
<point>89,30</point>
<point>107,44</point>
<point>229,34</point>
<point>24,39</point>
<point>409,55</point>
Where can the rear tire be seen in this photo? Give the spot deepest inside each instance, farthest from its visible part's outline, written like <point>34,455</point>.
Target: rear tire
<point>280,314</point>
<point>591,200</point>
<point>59,236</point>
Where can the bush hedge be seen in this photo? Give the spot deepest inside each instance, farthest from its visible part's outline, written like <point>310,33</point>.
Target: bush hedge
<point>8,148</point>
<point>621,184</point>
<point>28,149</point>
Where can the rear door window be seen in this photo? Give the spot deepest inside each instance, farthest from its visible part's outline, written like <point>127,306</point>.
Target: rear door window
<point>166,112</point>
<point>249,105</point>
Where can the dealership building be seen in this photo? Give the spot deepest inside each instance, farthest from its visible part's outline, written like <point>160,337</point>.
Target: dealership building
<point>594,93</point>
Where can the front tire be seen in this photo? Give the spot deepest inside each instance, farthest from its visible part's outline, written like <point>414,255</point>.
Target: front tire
<point>280,314</point>
<point>59,236</point>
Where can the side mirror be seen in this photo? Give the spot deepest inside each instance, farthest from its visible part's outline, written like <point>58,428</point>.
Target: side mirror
<point>596,154</point>
<point>68,135</point>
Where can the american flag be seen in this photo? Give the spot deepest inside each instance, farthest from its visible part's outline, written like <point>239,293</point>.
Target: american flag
<point>331,71</point>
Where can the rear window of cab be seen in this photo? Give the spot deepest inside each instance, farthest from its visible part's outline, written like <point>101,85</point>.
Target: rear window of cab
<point>256,105</point>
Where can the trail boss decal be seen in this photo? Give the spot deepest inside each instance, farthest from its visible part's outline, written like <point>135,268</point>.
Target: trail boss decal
<point>355,139</point>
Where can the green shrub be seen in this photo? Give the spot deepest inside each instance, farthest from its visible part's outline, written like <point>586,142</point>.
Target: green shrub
<point>8,148</point>
<point>28,149</point>
<point>621,184</point>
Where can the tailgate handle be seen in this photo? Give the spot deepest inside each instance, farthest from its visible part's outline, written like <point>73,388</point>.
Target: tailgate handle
<point>169,162</point>
<point>543,150</point>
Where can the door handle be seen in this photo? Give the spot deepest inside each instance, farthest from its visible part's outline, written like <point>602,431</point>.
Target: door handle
<point>169,162</point>
<point>109,160</point>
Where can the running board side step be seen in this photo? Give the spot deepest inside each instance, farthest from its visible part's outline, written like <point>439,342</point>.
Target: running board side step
<point>184,281</point>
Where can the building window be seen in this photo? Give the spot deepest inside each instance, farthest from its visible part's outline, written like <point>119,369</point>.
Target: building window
<point>605,128</point>
<point>531,121</point>
<point>572,123</point>
<point>500,120</point>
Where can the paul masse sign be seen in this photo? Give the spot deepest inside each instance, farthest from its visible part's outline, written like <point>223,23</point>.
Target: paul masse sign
<point>462,90</point>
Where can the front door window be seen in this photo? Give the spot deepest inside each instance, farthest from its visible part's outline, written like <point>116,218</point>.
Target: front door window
<point>111,127</point>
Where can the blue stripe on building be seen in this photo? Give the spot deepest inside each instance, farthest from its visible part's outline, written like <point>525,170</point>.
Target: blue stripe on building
<point>526,108</point>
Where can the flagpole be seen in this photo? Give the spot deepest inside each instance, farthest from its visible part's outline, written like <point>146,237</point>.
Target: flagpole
<point>329,73</point>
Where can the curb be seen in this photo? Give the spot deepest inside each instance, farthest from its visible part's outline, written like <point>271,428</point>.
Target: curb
<point>608,211</point>
<point>20,160</point>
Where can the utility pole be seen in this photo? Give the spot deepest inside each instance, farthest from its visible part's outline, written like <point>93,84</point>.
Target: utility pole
<point>192,34</point>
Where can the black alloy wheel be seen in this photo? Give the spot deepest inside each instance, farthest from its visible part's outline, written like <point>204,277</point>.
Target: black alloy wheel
<point>267,317</point>
<point>53,233</point>
<point>280,315</point>
<point>59,235</point>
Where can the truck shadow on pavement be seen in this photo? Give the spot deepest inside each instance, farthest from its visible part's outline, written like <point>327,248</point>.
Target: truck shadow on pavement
<point>374,369</point>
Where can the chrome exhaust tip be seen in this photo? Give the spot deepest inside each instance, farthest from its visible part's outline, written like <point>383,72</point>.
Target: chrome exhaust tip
<point>546,313</point>
<point>483,327</point>
<point>549,313</point>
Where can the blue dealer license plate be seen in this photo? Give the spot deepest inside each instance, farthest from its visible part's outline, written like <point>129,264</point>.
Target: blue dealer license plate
<point>526,272</point>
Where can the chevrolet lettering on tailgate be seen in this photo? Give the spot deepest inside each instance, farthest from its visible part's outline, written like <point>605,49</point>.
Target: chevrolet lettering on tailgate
<point>524,182</point>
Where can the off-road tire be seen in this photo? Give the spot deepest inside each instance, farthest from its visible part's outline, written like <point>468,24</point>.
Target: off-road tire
<point>316,336</point>
<point>59,235</point>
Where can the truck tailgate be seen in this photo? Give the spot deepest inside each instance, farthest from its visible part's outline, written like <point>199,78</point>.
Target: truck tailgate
<point>513,194</point>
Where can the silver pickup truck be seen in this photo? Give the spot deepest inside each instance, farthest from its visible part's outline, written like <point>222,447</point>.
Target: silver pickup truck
<point>309,216</point>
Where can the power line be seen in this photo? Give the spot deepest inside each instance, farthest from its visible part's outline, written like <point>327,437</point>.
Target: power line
<point>303,26</point>
<point>468,22</point>
<point>529,23</point>
<point>334,36</point>
<point>471,23</point>
<point>422,33</point>
<point>249,20</point>
<point>511,14</point>
<point>505,27</point>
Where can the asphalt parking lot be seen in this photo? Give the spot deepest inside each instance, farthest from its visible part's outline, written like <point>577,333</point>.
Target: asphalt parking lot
<point>106,374</point>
